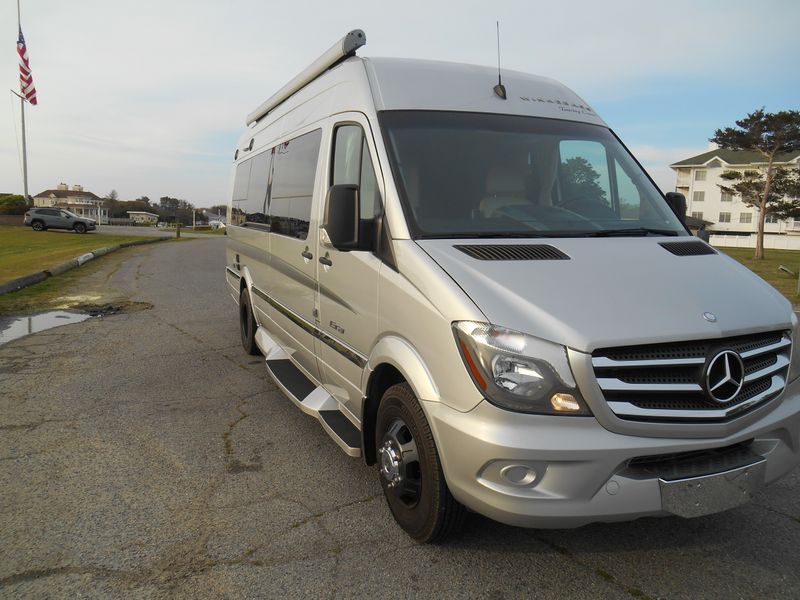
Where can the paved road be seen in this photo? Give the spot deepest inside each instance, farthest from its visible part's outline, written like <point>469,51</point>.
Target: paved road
<point>144,455</point>
<point>147,231</point>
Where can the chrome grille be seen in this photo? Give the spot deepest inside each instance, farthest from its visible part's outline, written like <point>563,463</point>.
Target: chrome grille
<point>665,382</point>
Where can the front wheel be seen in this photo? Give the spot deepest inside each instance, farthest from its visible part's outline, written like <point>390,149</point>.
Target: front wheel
<point>410,470</point>
<point>247,323</point>
<point>80,228</point>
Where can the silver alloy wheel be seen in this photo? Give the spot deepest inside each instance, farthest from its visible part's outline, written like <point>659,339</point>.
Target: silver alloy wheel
<point>399,463</point>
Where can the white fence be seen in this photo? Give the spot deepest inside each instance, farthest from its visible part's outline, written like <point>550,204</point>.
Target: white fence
<point>772,242</point>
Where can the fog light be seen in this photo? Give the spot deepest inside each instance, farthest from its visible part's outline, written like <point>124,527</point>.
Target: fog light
<point>518,474</point>
<point>564,403</point>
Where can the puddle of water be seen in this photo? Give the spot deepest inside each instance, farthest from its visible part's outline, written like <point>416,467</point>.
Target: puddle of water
<point>11,329</point>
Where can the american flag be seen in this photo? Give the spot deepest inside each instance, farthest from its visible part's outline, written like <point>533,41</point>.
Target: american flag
<point>25,76</point>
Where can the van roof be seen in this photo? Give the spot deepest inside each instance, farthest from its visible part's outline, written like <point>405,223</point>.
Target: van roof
<point>413,84</point>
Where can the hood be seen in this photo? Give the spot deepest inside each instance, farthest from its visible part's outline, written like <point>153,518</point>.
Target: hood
<point>614,291</point>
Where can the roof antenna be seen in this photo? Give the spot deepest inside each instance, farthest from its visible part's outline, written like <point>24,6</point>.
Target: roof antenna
<point>499,89</point>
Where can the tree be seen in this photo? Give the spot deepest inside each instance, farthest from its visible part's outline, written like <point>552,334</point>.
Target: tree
<point>12,204</point>
<point>175,208</point>
<point>168,203</point>
<point>784,194</point>
<point>219,209</point>
<point>580,180</point>
<point>768,134</point>
<point>112,195</point>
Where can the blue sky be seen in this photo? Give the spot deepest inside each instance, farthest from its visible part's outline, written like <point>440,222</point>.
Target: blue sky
<point>149,96</point>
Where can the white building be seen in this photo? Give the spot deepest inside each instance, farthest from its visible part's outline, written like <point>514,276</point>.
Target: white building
<point>77,200</point>
<point>141,216</point>
<point>698,178</point>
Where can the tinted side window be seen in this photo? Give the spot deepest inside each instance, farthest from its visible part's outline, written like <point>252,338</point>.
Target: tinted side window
<point>250,190</point>
<point>352,165</point>
<point>346,155</point>
<point>294,172</point>
<point>370,196</point>
<point>240,184</point>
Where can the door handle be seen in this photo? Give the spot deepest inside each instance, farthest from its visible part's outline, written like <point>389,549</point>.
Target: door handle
<point>326,261</point>
<point>306,254</point>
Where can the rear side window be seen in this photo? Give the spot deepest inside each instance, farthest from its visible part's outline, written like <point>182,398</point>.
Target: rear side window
<point>294,172</point>
<point>250,190</point>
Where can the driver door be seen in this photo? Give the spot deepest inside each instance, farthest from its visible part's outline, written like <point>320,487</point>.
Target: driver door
<point>348,281</point>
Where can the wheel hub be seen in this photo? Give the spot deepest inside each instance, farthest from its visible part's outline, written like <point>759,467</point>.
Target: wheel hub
<point>399,463</point>
<point>391,463</point>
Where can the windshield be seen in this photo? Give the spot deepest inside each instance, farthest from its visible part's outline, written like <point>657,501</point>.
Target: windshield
<point>488,175</point>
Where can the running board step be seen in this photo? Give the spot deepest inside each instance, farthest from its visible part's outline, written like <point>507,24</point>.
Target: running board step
<point>317,402</point>
<point>342,427</point>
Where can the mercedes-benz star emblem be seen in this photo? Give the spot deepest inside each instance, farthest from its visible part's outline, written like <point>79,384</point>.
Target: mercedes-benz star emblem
<point>724,376</point>
<point>710,317</point>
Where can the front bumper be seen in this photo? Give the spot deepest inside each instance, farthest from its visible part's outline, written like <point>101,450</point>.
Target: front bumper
<point>584,473</point>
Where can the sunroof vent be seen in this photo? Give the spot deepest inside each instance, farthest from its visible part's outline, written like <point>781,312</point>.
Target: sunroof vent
<point>697,248</point>
<point>513,252</point>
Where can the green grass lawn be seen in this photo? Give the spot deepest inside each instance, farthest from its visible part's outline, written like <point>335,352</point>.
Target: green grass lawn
<point>50,293</point>
<point>768,268</point>
<point>24,251</point>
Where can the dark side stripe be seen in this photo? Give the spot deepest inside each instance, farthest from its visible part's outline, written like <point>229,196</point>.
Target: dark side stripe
<point>351,355</point>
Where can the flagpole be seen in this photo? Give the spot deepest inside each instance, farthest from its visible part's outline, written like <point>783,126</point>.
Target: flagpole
<point>24,153</point>
<point>24,137</point>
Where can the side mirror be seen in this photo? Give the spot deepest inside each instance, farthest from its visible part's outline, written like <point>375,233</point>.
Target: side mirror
<point>341,221</point>
<point>677,202</point>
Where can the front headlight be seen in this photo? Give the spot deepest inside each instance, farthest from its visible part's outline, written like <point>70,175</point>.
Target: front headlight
<point>794,367</point>
<point>518,372</point>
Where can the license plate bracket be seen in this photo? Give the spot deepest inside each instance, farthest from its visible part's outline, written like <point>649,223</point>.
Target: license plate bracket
<point>709,494</point>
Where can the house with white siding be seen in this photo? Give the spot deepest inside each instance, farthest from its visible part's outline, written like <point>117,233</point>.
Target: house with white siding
<point>77,200</point>
<point>699,178</point>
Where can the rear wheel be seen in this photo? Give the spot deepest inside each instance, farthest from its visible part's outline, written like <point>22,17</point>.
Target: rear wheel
<point>80,228</point>
<point>410,470</point>
<point>247,323</point>
<point>37,226</point>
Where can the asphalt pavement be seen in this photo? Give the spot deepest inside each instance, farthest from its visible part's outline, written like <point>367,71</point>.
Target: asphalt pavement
<point>145,455</point>
<point>147,231</point>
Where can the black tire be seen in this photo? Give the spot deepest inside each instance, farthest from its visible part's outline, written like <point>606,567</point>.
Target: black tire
<point>247,324</point>
<point>79,228</point>
<point>38,226</point>
<point>420,501</point>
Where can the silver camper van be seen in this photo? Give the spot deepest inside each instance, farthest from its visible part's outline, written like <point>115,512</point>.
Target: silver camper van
<point>474,286</point>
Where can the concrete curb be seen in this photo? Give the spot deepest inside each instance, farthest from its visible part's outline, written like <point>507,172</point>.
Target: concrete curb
<point>21,282</point>
<point>26,280</point>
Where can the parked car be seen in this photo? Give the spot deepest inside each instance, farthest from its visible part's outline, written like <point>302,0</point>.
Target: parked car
<point>41,219</point>
<point>477,288</point>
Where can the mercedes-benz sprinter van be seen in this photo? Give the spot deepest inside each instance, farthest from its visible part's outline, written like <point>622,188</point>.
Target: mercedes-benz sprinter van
<point>474,286</point>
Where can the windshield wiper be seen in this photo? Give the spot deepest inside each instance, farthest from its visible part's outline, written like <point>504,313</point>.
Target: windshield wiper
<point>632,231</point>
